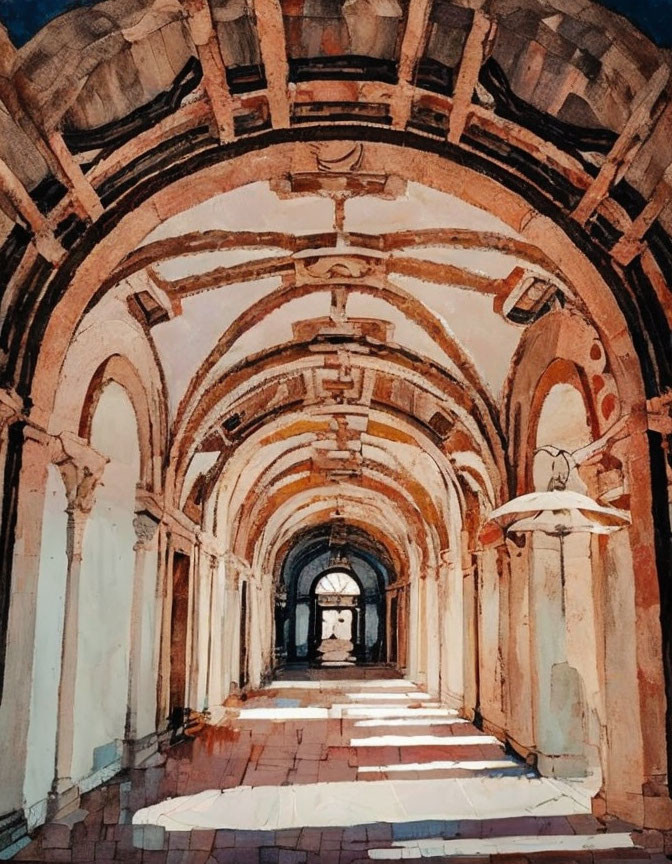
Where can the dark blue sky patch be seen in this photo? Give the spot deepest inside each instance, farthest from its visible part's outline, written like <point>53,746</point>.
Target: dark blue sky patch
<point>653,17</point>
<point>23,18</point>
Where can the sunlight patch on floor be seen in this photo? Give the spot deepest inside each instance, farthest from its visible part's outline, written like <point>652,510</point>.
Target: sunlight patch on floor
<point>356,803</point>
<point>463,765</point>
<point>325,684</point>
<point>423,741</point>
<point>283,713</point>
<point>393,711</point>
<point>410,696</point>
<point>412,721</point>
<point>482,847</point>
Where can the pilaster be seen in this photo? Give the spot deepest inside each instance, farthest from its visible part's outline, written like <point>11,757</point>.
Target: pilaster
<point>81,468</point>
<point>138,745</point>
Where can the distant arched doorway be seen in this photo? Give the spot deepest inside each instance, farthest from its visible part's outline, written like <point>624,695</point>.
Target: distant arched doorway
<point>337,622</point>
<point>315,555</point>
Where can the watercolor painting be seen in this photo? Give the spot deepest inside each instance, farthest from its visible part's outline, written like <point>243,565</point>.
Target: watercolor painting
<point>336,431</point>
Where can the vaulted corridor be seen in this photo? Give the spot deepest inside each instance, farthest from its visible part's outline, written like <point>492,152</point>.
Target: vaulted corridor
<point>335,430</point>
<point>337,772</point>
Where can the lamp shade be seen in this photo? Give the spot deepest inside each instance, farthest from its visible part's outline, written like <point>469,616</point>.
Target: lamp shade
<point>559,512</point>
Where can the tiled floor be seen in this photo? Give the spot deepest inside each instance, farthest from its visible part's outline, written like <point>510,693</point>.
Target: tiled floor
<point>337,771</point>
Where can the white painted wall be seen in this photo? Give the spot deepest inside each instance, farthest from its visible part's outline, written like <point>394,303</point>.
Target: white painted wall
<point>106,587</point>
<point>47,658</point>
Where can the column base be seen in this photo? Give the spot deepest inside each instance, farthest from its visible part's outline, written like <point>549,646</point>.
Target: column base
<point>63,799</point>
<point>565,765</point>
<point>658,811</point>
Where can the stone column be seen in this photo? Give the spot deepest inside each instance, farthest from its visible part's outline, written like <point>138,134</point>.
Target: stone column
<point>413,628</point>
<point>403,606</point>
<point>194,627</point>
<point>81,468</point>
<point>254,633</point>
<point>630,594</point>
<point>518,683</point>
<point>453,626</point>
<point>231,629</point>
<point>432,634</point>
<point>21,587</point>
<point>470,629</point>
<point>165,597</point>
<point>389,624</point>
<point>558,702</point>
<point>215,682</point>
<point>208,575</point>
<point>490,639</point>
<point>139,746</point>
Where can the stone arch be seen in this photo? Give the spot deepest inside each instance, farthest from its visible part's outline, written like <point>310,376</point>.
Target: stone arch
<point>118,369</point>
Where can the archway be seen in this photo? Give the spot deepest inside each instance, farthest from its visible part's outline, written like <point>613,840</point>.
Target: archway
<point>334,571</point>
<point>337,625</point>
<point>314,407</point>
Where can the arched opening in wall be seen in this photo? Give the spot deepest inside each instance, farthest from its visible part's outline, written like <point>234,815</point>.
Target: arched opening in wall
<point>332,601</point>
<point>338,620</point>
<point>105,594</point>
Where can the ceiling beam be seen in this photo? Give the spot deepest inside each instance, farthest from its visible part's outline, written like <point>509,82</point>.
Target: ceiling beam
<point>250,271</point>
<point>271,31</point>
<point>198,242</point>
<point>204,36</point>
<point>630,244</point>
<point>185,118</point>
<point>481,33</point>
<point>81,191</point>
<point>636,131</point>
<point>444,274</point>
<point>18,195</point>
<point>17,99</point>
<point>414,40</point>
<point>334,272</point>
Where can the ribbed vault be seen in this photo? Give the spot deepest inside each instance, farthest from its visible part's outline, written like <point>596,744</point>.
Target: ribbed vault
<point>340,257</point>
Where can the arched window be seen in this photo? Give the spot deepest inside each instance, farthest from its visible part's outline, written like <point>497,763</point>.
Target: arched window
<point>338,583</point>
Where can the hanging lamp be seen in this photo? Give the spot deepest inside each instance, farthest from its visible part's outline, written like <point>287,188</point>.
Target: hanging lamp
<point>558,511</point>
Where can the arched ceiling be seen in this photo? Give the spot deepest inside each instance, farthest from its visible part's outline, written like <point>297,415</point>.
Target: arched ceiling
<point>334,222</point>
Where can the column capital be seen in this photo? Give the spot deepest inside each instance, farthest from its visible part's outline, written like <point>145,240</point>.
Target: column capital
<point>236,569</point>
<point>208,544</point>
<point>145,525</point>
<point>81,468</point>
